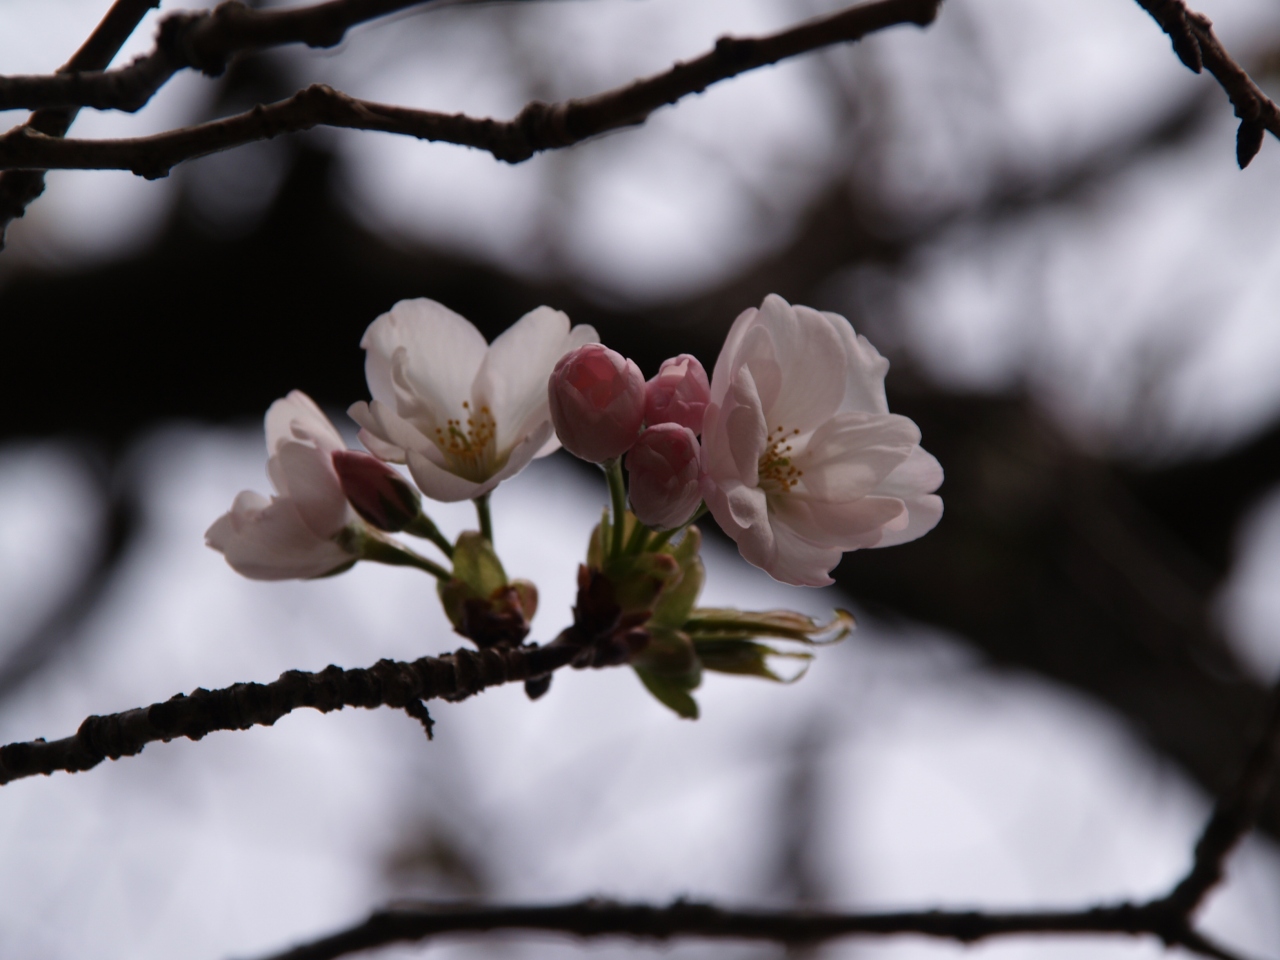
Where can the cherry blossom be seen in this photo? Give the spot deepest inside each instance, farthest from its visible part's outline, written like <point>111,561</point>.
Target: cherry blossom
<point>463,414</point>
<point>802,459</point>
<point>299,532</point>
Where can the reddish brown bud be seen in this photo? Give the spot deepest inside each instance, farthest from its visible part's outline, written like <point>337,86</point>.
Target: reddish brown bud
<point>375,491</point>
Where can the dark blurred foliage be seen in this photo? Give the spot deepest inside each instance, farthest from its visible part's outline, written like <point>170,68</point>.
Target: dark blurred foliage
<point>1076,565</point>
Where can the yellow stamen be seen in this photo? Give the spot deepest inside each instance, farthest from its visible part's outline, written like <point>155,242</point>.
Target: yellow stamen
<point>777,473</point>
<point>468,444</point>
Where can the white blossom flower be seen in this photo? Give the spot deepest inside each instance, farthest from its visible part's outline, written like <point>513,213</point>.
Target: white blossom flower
<point>801,456</point>
<point>463,414</point>
<point>297,533</point>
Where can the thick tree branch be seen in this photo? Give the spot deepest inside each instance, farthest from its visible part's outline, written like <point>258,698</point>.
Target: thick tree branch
<point>591,919</point>
<point>538,127</point>
<point>205,40</point>
<point>19,187</point>
<point>388,683</point>
<point>1198,47</point>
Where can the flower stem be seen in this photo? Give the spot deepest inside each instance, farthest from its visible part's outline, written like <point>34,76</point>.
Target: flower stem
<point>381,550</point>
<point>661,537</point>
<point>618,497</point>
<point>422,526</point>
<point>636,542</point>
<point>486,521</point>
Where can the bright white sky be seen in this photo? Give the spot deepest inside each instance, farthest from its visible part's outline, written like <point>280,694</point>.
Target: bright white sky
<point>940,783</point>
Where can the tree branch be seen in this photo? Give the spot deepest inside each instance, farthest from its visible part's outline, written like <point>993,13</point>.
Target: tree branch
<point>1168,918</point>
<point>1234,815</point>
<point>19,187</point>
<point>1198,47</point>
<point>388,683</point>
<point>538,127</point>
<point>591,919</point>
<point>205,40</point>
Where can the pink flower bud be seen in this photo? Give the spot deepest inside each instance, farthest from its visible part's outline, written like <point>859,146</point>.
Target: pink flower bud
<point>678,394</point>
<point>665,471</point>
<point>376,492</point>
<point>597,402</point>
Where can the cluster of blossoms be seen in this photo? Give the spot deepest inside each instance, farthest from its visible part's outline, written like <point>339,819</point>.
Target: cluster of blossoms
<point>789,445</point>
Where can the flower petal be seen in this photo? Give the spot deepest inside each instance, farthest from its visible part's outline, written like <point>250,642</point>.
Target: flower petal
<point>849,455</point>
<point>296,417</point>
<point>847,525</point>
<point>923,514</point>
<point>439,484</point>
<point>799,562</point>
<point>268,540</point>
<point>865,369</point>
<point>811,359</point>
<point>312,484</point>
<point>442,353</point>
<point>721,375</point>
<point>527,450</point>
<point>512,379</point>
<point>920,473</point>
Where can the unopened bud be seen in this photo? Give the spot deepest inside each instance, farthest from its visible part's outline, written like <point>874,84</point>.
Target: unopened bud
<point>376,492</point>
<point>664,467</point>
<point>678,394</point>
<point>597,401</point>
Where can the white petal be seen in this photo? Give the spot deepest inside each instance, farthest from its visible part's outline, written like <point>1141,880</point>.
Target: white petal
<point>443,351</point>
<point>920,473</point>
<point>851,454</point>
<point>579,336</point>
<point>512,379</point>
<point>393,430</point>
<point>267,540</point>
<point>743,432</point>
<point>439,484</point>
<point>799,562</point>
<point>727,358</point>
<point>866,369</point>
<point>527,450</point>
<point>851,525</point>
<point>312,484</point>
<point>296,417</point>
<point>742,513</point>
<point>923,515</point>
<point>810,357</point>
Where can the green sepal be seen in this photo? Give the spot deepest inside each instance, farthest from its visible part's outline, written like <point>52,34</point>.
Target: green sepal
<point>477,574</point>
<point>675,605</point>
<point>477,565</point>
<point>669,693</point>
<point>669,668</point>
<point>747,658</point>
<point>723,624</point>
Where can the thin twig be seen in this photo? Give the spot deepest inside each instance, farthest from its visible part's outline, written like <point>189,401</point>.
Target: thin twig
<point>538,127</point>
<point>683,919</point>
<point>388,683</point>
<point>1234,815</point>
<point>18,188</point>
<point>1198,47</point>
<point>206,40</point>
